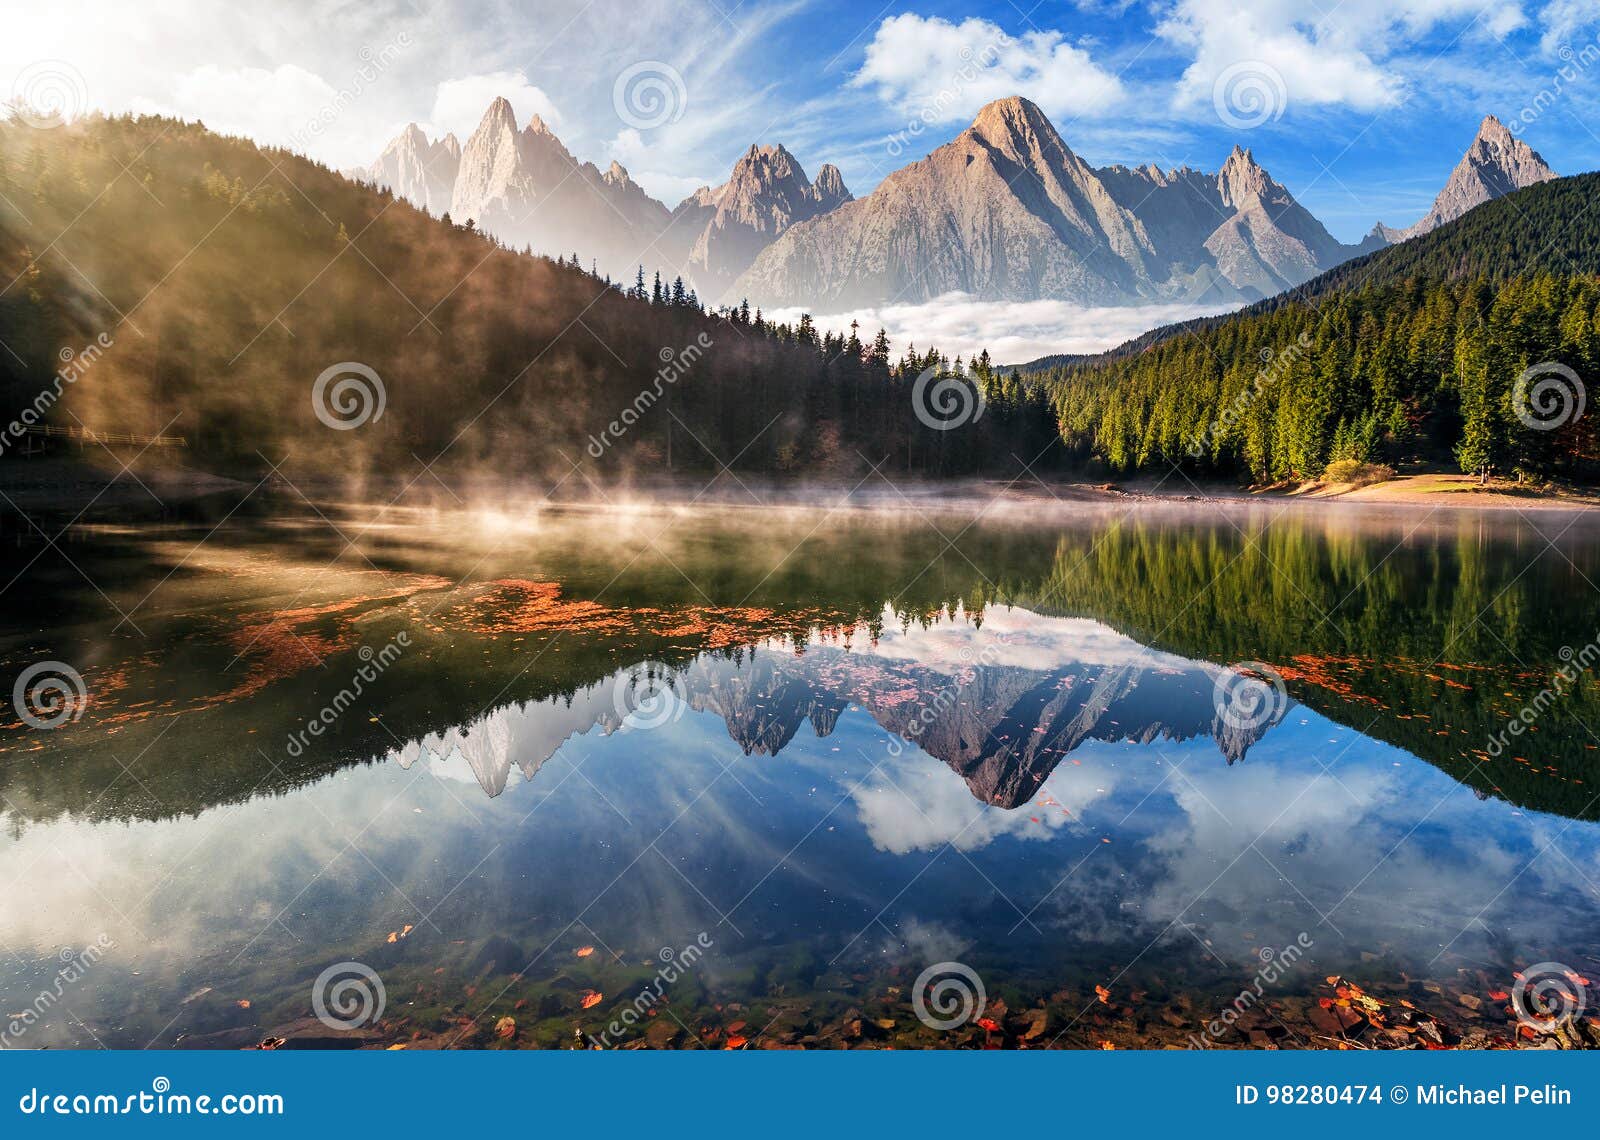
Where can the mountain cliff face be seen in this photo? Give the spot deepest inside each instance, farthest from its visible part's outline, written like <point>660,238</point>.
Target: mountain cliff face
<point>1007,212</point>
<point>526,188</point>
<point>420,171</point>
<point>1495,164</point>
<point>1238,225</point>
<point>720,231</point>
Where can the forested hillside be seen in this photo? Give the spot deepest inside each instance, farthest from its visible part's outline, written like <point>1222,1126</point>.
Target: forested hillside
<point>1414,352</point>
<point>225,279</point>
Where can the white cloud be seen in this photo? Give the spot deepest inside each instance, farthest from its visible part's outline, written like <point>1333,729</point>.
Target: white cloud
<point>648,166</point>
<point>916,803</point>
<point>1013,332</point>
<point>941,72</point>
<point>459,104</point>
<point>1567,24</point>
<point>1354,56</point>
<point>269,106</point>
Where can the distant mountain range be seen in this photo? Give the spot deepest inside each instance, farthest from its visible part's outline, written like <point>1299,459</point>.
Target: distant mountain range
<point>1005,211</point>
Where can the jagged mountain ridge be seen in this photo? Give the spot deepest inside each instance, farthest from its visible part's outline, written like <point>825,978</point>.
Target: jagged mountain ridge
<point>527,189</point>
<point>417,169</point>
<point>1007,212</point>
<point>720,231</point>
<point>1004,732</point>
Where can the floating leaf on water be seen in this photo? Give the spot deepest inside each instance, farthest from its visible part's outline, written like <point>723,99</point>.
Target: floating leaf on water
<point>584,951</point>
<point>506,1027</point>
<point>592,998</point>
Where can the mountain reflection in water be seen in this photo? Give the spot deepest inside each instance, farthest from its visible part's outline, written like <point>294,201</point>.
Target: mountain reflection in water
<point>1002,706</point>
<point>839,761</point>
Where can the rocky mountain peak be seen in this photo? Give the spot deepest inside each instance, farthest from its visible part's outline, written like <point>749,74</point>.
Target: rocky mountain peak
<point>499,116</point>
<point>829,188</point>
<point>1493,130</point>
<point>1496,163</point>
<point>1014,125</point>
<point>536,126</point>
<point>1242,179</point>
<point>723,229</point>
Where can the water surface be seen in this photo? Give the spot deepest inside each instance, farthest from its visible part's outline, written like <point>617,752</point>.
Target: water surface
<point>511,761</point>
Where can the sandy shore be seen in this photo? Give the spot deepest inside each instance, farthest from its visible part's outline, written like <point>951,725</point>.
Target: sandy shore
<point>1442,490</point>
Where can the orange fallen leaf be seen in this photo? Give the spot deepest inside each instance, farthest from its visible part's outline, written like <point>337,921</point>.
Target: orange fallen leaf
<point>243,1003</point>
<point>1107,1045</point>
<point>592,998</point>
<point>988,1023</point>
<point>1102,993</point>
<point>736,1026</point>
<point>735,1043</point>
<point>392,1048</point>
<point>506,1027</point>
<point>584,951</point>
<point>1498,995</point>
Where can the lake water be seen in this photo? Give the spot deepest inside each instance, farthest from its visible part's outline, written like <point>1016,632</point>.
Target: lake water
<point>691,777</point>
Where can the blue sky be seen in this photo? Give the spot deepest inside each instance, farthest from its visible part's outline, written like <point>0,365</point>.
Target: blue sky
<point>1368,103</point>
